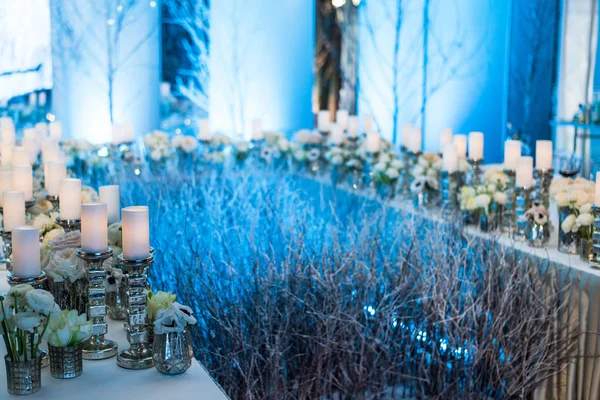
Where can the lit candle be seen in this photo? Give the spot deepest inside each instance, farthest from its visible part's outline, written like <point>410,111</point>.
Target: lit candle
<point>42,99</point>
<point>6,150</point>
<point>94,227</point>
<point>323,120</point>
<point>257,130</point>
<point>525,172</point>
<point>26,251</point>
<point>372,142</point>
<point>136,233</point>
<point>128,132</point>
<point>117,134</point>
<point>56,130</point>
<point>445,138</point>
<point>406,133</point>
<point>69,195</point>
<point>23,180</point>
<point>8,130</point>
<point>414,139</point>
<point>20,155</point>
<point>204,128</point>
<point>56,170</point>
<point>110,196</point>
<point>368,123</point>
<point>353,126</point>
<point>13,207</point>
<point>476,145</point>
<point>543,154</point>
<point>460,144</point>
<point>5,182</point>
<point>41,130</point>
<point>450,159</point>
<point>597,197</point>
<point>341,118</point>
<point>512,153</point>
<point>32,99</point>
<point>336,136</point>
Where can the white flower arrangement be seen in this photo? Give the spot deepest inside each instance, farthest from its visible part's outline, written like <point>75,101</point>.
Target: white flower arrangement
<point>176,318</point>
<point>306,136</point>
<point>67,329</point>
<point>537,213</point>
<point>158,301</point>
<point>24,317</point>
<point>89,195</point>
<point>485,197</point>
<point>386,169</point>
<point>425,172</point>
<point>185,144</point>
<point>59,258</point>
<point>157,145</point>
<point>336,156</point>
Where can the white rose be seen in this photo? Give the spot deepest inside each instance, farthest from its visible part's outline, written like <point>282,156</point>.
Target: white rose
<point>64,264</point>
<point>471,204</point>
<point>483,200</point>
<point>384,158</point>
<point>189,144</point>
<point>40,301</point>
<point>61,337</point>
<point>418,170</point>
<point>561,199</point>
<point>27,320</point>
<point>380,167</point>
<point>396,164</point>
<point>18,291</point>
<point>432,173</point>
<point>176,141</point>
<point>500,198</point>
<point>156,155</point>
<point>568,225</point>
<point>586,208</point>
<point>584,219</point>
<point>392,173</point>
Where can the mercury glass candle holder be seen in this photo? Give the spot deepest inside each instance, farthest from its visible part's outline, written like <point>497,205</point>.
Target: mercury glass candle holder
<point>97,347</point>
<point>475,172</point>
<point>594,260</point>
<point>449,190</point>
<point>522,204</point>
<point>69,225</point>
<point>409,159</point>
<point>139,354</point>
<point>541,192</point>
<point>54,201</point>
<point>368,170</point>
<point>508,213</point>
<point>37,282</point>
<point>7,249</point>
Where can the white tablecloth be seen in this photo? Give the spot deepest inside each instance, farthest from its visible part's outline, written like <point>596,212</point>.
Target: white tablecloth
<point>104,380</point>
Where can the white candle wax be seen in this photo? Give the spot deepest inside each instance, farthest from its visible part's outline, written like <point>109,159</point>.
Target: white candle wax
<point>110,196</point>
<point>257,130</point>
<point>414,139</point>
<point>56,130</point>
<point>5,182</point>
<point>20,155</point>
<point>368,123</point>
<point>56,170</point>
<point>460,144</point>
<point>204,129</point>
<point>450,159</point>
<point>445,138</point>
<point>6,150</point>
<point>41,130</point>
<point>165,89</point>
<point>69,194</point>
<point>597,194</point>
<point>31,145</point>
<point>23,180</point>
<point>543,154</point>
<point>13,204</point>
<point>94,227</point>
<point>372,142</point>
<point>8,135</point>
<point>26,251</point>
<point>32,99</point>
<point>512,153</point>
<point>128,132</point>
<point>117,134</point>
<point>7,123</point>
<point>525,172</point>
<point>341,118</point>
<point>42,99</point>
<point>353,126</point>
<point>336,136</point>
<point>136,233</point>
<point>323,120</point>
<point>406,133</point>
<point>476,145</point>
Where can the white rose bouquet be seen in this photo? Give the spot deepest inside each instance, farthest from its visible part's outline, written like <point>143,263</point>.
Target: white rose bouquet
<point>176,318</point>
<point>185,144</point>
<point>157,145</point>
<point>425,172</point>
<point>387,169</point>
<point>241,150</point>
<point>59,258</point>
<point>487,197</point>
<point>537,213</point>
<point>67,329</point>
<point>158,301</point>
<point>336,156</point>
<point>25,313</point>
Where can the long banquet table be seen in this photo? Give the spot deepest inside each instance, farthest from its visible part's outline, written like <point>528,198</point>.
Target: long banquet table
<point>103,379</point>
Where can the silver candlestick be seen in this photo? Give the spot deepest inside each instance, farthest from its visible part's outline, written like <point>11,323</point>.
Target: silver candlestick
<point>543,179</point>
<point>474,177</point>
<point>508,214</point>
<point>54,201</point>
<point>7,249</point>
<point>28,204</point>
<point>522,204</point>
<point>595,258</point>
<point>69,225</point>
<point>409,159</point>
<point>97,347</point>
<point>449,189</point>
<point>139,354</point>
<point>38,282</point>
<point>369,179</point>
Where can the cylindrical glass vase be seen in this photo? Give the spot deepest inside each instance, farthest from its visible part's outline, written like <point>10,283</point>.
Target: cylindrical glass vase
<point>66,362</point>
<point>172,352</point>
<point>567,242</point>
<point>23,377</point>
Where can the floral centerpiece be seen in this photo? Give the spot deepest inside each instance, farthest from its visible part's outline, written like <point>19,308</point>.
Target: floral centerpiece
<point>172,348</point>
<point>308,148</point>
<point>537,229</point>
<point>186,148</point>
<point>425,177</point>
<point>216,149</point>
<point>157,146</point>
<point>155,303</point>
<point>386,172</point>
<point>66,333</point>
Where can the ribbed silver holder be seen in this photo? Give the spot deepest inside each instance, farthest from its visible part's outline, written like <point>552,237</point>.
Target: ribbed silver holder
<point>508,215</point>
<point>97,347</point>
<point>368,170</point>
<point>139,354</point>
<point>595,258</point>
<point>54,200</point>
<point>409,159</point>
<point>7,249</point>
<point>543,179</point>
<point>69,225</point>
<point>66,362</point>
<point>474,175</point>
<point>522,204</point>
<point>38,282</point>
<point>449,182</point>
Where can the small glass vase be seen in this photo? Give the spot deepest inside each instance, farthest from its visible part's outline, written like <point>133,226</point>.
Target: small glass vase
<point>355,180</point>
<point>70,295</point>
<point>537,235</point>
<point>386,191</point>
<point>66,362</point>
<point>586,247</point>
<point>23,377</point>
<point>172,352</point>
<point>422,199</point>
<point>568,243</point>
<point>488,222</point>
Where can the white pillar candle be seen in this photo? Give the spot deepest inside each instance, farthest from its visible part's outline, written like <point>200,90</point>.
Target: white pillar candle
<point>42,99</point>
<point>32,99</point>
<point>512,153</point>
<point>323,120</point>
<point>336,136</point>
<point>23,180</point>
<point>460,144</point>
<point>94,227</point>
<point>69,194</point>
<point>543,154</point>
<point>597,194</point>
<point>56,170</point>
<point>128,132</point>
<point>372,142</point>
<point>204,129</point>
<point>353,126</point>
<point>406,133</point>
<point>368,123</point>
<point>26,251</point>
<point>525,172</point>
<point>414,139</point>
<point>341,118</point>
<point>6,150</point>
<point>7,123</point>
<point>165,89</point>
<point>20,155</point>
<point>32,147</point>
<point>5,182</point>
<point>41,130</point>
<point>110,196</point>
<point>8,135</point>
<point>56,130</point>
<point>13,208</point>
<point>136,233</point>
<point>476,145</point>
<point>257,130</point>
<point>117,134</point>
<point>445,138</point>
<point>450,159</point>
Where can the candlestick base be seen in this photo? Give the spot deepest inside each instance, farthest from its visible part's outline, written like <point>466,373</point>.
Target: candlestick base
<point>474,177</point>
<point>38,282</point>
<point>29,203</point>
<point>54,201</point>
<point>541,192</point>
<point>69,225</point>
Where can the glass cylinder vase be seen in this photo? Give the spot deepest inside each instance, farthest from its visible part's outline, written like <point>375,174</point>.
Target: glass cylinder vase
<point>537,235</point>
<point>568,243</point>
<point>70,295</point>
<point>66,362</point>
<point>586,249</point>
<point>488,222</point>
<point>172,352</point>
<point>23,377</point>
